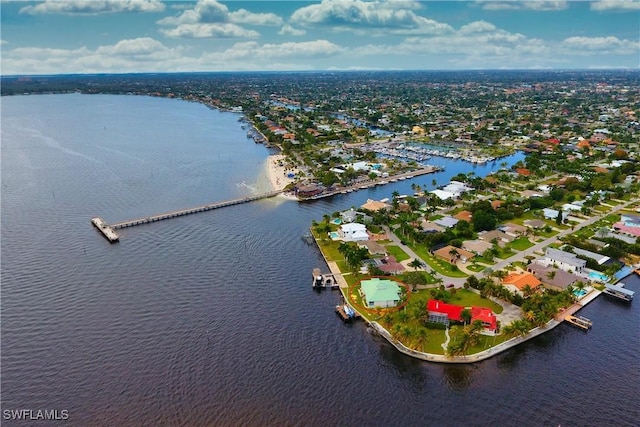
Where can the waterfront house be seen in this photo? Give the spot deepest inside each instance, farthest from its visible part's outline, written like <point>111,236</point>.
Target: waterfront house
<point>308,190</point>
<point>516,282</point>
<point>353,232</point>
<point>564,260</point>
<point>600,259</point>
<point>375,205</point>
<point>380,293</point>
<point>553,278</point>
<point>352,215</point>
<point>442,312</point>
<point>348,216</point>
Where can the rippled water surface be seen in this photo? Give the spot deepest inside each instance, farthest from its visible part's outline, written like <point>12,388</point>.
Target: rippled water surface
<point>210,319</point>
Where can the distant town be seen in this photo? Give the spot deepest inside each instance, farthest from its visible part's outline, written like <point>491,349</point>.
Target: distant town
<point>456,272</point>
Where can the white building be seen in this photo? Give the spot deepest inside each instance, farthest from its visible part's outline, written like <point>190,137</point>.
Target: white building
<point>565,261</point>
<point>353,232</point>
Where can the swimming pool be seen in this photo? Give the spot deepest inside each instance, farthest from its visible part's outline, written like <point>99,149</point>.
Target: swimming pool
<point>334,235</point>
<point>336,221</point>
<point>579,293</point>
<point>597,276</point>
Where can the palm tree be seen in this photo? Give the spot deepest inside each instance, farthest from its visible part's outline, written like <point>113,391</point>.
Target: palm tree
<point>527,291</point>
<point>416,264</point>
<point>422,337</point>
<point>465,315</point>
<point>454,255</point>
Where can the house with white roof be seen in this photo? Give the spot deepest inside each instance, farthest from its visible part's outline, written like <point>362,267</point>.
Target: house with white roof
<point>553,214</point>
<point>564,260</point>
<point>353,232</point>
<point>442,195</point>
<point>446,221</point>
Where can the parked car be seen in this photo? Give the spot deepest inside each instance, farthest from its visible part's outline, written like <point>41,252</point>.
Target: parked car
<point>451,285</point>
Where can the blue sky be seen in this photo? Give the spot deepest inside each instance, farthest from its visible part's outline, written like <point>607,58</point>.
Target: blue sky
<point>95,36</point>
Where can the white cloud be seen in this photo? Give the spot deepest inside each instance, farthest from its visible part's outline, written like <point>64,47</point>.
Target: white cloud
<point>93,7</point>
<point>288,30</point>
<point>611,44</point>
<point>210,19</point>
<point>132,55</point>
<point>3,42</point>
<point>616,5</point>
<point>539,5</point>
<point>140,47</point>
<point>477,27</point>
<point>205,11</point>
<point>243,16</point>
<point>218,30</point>
<point>311,49</point>
<point>395,17</point>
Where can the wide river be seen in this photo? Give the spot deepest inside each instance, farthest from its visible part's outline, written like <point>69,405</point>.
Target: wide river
<point>210,319</point>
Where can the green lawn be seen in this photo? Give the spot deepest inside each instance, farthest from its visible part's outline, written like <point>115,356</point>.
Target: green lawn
<point>467,298</point>
<point>520,244</point>
<point>476,267</point>
<point>397,253</point>
<point>484,342</point>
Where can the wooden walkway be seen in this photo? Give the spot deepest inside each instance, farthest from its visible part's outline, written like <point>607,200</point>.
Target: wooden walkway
<point>193,210</point>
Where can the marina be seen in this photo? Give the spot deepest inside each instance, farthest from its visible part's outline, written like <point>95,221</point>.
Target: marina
<point>372,183</point>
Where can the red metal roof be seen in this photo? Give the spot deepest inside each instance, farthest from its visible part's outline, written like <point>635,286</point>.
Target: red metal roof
<point>452,311</point>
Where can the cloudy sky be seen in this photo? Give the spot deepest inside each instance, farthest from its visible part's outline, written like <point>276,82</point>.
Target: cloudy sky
<point>98,36</point>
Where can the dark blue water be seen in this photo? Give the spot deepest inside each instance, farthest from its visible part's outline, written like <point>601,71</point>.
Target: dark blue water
<point>210,319</point>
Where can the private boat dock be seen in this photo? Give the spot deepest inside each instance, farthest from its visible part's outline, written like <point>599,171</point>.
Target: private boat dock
<point>618,291</point>
<point>346,313</point>
<point>323,281</point>
<point>579,321</point>
<point>109,232</point>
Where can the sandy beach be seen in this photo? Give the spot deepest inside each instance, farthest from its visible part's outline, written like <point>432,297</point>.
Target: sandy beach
<point>277,172</point>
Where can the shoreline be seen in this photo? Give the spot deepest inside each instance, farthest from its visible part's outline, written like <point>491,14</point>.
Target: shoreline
<point>277,172</point>
<point>432,357</point>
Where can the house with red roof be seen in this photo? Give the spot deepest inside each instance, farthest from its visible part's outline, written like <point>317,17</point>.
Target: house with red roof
<point>442,312</point>
<point>517,282</point>
<point>486,316</point>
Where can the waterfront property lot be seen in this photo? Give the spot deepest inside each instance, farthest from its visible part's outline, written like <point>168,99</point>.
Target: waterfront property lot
<point>408,324</point>
<point>467,298</point>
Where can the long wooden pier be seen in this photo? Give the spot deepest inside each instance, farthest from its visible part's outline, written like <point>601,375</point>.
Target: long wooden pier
<point>109,230</point>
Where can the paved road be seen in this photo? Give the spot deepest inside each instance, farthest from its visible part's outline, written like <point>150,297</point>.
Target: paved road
<point>539,246</point>
<point>518,256</point>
